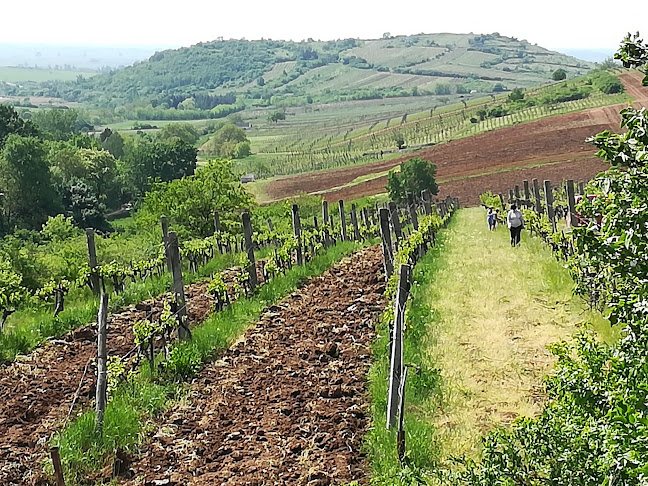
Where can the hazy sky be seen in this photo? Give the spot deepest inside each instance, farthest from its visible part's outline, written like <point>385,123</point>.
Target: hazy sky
<point>549,23</point>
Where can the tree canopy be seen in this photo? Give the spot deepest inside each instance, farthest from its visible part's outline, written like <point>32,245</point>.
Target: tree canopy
<point>415,176</point>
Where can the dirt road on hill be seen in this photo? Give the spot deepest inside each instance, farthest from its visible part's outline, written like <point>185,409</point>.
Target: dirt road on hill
<point>559,139</point>
<point>38,390</point>
<point>288,404</point>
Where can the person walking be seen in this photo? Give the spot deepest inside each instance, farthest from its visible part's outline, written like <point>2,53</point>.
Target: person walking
<point>491,219</point>
<point>515,222</point>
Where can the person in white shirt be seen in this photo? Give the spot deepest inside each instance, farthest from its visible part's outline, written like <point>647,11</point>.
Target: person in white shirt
<point>515,222</point>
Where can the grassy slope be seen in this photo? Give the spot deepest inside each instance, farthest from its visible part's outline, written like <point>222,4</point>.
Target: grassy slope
<point>481,317</point>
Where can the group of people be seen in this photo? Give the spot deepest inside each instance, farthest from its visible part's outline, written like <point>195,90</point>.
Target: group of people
<point>514,221</point>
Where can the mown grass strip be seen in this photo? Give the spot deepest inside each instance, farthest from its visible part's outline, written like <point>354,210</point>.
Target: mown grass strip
<point>30,326</point>
<point>135,402</point>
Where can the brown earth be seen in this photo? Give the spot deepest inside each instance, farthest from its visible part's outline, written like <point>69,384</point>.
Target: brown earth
<point>288,404</point>
<point>546,141</point>
<point>38,390</point>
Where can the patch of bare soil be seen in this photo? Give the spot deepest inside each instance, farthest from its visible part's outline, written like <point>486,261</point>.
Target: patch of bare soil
<point>288,404</point>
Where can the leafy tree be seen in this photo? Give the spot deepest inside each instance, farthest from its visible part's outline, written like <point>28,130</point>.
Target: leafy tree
<point>415,175</point>
<point>441,89</point>
<point>399,139</point>
<point>516,95</point>
<point>184,131</point>
<point>57,124</point>
<point>12,123</point>
<point>559,74</point>
<point>59,228</point>
<point>277,116</point>
<point>25,180</point>
<point>82,202</point>
<point>225,142</point>
<point>158,160</point>
<point>189,203</point>
<point>114,144</point>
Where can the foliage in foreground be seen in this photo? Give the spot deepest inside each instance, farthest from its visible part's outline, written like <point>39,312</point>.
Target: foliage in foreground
<point>594,429</point>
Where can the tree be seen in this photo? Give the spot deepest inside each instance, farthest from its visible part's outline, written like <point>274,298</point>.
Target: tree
<point>276,116</point>
<point>516,95</point>
<point>190,203</point>
<point>163,161</point>
<point>114,144</point>
<point>12,123</point>
<point>25,180</point>
<point>184,131</point>
<point>559,74</point>
<point>415,175</point>
<point>225,141</point>
<point>57,124</point>
<point>399,139</point>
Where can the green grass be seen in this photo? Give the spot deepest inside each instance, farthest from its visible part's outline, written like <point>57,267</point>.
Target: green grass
<point>480,316</point>
<point>133,406</point>
<point>30,326</point>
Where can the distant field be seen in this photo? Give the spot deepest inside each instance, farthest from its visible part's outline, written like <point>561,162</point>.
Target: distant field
<point>23,75</point>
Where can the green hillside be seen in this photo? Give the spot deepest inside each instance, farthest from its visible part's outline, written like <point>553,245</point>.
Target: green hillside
<point>216,78</point>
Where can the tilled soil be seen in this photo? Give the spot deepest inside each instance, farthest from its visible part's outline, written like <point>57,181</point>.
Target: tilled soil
<point>549,140</point>
<point>38,390</point>
<point>288,404</point>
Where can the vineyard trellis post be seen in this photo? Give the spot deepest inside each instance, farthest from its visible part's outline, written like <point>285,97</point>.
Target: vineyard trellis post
<point>270,225</point>
<point>385,238</point>
<point>342,220</point>
<point>511,196</point>
<point>501,198</point>
<point>325,221</point>
<point>394,216</point>
<point>412,210</point>
<point>178,287</point>
<point>102,356</point>
<point>549,202</point>
<point>427,207</point>
<point>536,196</point>
<point>527,192</point>
<point>354,223</point>
<point>396,338</point>
<point>164,222</point>
<point>58,467</point>
<point>400,436</point>
<point>217,226</point>
<point>365,218</point>
<point>92,260</point>
<point>249,248</point>
<point>581,188</point>
<point>571,203</point>
<point>297,232</point>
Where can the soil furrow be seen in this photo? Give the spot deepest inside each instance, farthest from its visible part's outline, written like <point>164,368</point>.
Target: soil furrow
<point>37,390</point>
<point>288,404</point>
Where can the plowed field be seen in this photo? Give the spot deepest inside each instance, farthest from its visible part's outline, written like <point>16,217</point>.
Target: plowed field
<point>288,404</point>
<point>38,390</point>
<point>557,140</point>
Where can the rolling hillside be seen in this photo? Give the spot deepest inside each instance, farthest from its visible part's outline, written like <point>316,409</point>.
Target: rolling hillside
<point>266,71</point>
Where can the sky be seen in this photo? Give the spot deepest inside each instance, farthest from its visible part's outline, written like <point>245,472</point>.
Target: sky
<point>549,23</point>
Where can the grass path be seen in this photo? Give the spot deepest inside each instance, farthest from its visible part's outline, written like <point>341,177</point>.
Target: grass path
<point>494,311</point>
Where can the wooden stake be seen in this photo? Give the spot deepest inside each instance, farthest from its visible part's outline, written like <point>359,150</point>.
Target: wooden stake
<point>394,217</point>
<point>412,211</point>
<point>249,248</point>
<point>549,202</point>
<point>58,468</point>
<point>572,220</point>
<point>354,223</point>
<point>536,196</point>
<point>297,232</point>
<point>396,365</point>
<point>165,239</point>
<point>178,287</point>
<point>343,220</point>
<point>385,238</point>
<point>92,260</point>
<point>325,221</point>
<point>102,356</point>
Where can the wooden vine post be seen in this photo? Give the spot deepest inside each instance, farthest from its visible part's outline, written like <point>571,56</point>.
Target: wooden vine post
<point>102,356</point>
<point>527,192</point>
<point>92,260</point>
<point>385,238</point>
<point>249,248</point>
<point>396,365</point>
<point>325,221</point>
<point>549,202</point>
<point>501,198</point>
<point>394,217</point>
<point>571,204</point>
<point>412,211</point>
<point>400,436</point>
<point>581,188</point>
<point>536,196</point>
<point>58,467</point>
<point>178,287</point>
<point>427,207</point>
<point>354,223</point>
<point>297,232</point>
<point>165,239</point>
<point>343,220</point>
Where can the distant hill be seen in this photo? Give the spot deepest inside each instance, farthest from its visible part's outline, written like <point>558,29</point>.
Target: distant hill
<point>227,75</point>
